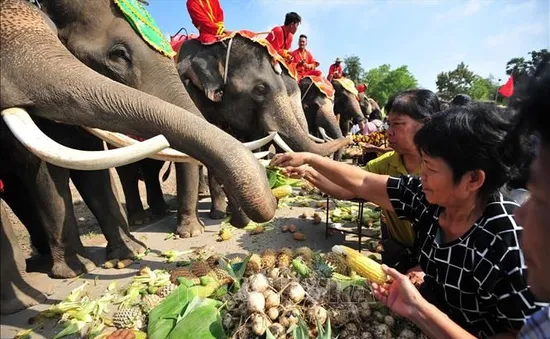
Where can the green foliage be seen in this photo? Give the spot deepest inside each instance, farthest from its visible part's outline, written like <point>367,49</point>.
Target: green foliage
<point>520,67</point>
<point>384,82</point>
<point>354,69</point>
<point>463,81</point>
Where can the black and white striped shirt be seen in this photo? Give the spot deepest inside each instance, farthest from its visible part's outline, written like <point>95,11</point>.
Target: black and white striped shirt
<point>479,279</point>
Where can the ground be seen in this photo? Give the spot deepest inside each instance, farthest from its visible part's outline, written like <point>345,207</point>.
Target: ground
<point>154,235</point>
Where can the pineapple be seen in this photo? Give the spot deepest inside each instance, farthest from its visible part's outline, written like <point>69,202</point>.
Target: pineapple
<point>305,252</point>
<point>166,290</point>
<point>236,260</point>
<point>212,261</point>
<point>254,264</point>
<point>337,262</point>
<point>284,258</point>
<point>149,302</point>
<point>269,257</point>
<point>185,273</point>
<point>200,268</point>
<point>221,274</point>
<point>129,317</point>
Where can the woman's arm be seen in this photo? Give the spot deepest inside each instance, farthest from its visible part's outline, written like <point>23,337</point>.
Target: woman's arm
<point>327,186</point>
<point>362,184</point>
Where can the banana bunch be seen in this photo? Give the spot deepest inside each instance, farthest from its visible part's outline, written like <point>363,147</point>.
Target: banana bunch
<point>374,138</point>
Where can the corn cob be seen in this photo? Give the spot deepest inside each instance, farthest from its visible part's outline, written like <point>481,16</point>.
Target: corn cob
<point>282,191</point>
<point>361,264</point>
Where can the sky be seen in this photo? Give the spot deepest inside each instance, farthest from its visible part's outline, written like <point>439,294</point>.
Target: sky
<point>429,36</point>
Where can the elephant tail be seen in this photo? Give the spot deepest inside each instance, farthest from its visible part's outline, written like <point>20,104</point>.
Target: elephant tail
<point>167,172</point>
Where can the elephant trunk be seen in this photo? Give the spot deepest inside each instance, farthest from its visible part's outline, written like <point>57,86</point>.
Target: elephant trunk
<point>53,84</point>
<point>284,121</point>
<point>326,119</point>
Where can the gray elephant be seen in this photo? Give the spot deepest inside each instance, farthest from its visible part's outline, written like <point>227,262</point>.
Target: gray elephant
<point>367,104</point>
<point>346,104</point>
<point>242,88</point>
<point>40,74</point>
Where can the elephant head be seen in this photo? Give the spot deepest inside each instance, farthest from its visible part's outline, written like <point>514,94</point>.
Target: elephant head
<point>319,109</point>
<point>346,103</point>
<point>43,76</point>
<point>237,84</point>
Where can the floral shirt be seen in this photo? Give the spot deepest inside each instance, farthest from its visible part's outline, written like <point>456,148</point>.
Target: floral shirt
<point>479,279</point>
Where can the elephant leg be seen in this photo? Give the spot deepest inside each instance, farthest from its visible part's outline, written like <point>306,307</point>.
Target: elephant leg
<point>17,197</point>
<point>238,217</point>
<point>18,290</point>
<point>203,182</point>
<point>155,198</point>
<point>98,191</point>
<point>187,176</point>
<point>218,209</point>
<point>129,177</point>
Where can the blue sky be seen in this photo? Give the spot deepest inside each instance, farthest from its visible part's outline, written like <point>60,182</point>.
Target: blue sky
<point>429,36</point>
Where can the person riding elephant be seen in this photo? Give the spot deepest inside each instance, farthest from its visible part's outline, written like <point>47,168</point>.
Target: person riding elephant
<point>346,103</point>
<point>243,86</point>
<point>42,78</point>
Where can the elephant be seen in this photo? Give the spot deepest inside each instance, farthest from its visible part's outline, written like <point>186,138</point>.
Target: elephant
<point>238,86</point>
<point>319,111</point>
<point>367,104</point>
<point>347,105</point>
<point>44,75</point>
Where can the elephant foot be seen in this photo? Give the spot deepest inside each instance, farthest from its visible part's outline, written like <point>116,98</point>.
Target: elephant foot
<point>138,218</point>
<point>71,266</point>
<point>17,297</point>
<point>190,228</point>
<point>217,214</point>
<point>127,249</point>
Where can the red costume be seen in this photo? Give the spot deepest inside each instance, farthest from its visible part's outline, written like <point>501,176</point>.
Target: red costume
<point>207,16</point>
<point>334,72</point>
<point>305,64</point>
<point>281,40</point>
<point>362,88</point>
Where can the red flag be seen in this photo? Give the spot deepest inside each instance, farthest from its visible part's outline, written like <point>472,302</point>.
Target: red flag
<point>507,90</point>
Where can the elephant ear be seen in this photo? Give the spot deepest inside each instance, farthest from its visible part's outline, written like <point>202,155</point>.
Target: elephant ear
<point>207,74</point>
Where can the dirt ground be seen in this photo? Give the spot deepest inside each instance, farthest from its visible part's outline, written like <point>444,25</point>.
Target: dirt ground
<point>155,236</point>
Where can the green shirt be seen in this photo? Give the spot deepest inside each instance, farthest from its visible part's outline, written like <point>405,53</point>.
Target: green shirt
<point>391,163</point>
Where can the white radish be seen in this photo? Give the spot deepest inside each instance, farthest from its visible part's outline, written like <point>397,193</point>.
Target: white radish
<point>256,302</point>
<point>258,282</point>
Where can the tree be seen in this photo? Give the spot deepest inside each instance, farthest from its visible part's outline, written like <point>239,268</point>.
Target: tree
<point>385,82</point>
<point>483,88</point>
<point>457,81</point>
<point>353,68</point>
<point>519,67</point>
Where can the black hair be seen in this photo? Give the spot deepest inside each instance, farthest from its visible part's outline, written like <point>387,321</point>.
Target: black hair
<point>375,114</point>
<point>473,137</point>
<point>461,100</point>
<point>292,18</point>
<point>303,36</point>
<point>358,120</point>
<point>532,100</point>
<point>418,104</point>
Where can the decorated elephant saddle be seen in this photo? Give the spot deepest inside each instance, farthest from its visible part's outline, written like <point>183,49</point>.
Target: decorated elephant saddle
<point>348,85</point>
<point>323,85</point>
<point>144,24</point>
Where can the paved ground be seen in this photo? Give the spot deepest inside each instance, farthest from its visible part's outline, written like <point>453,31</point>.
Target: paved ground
<point>153,235</point>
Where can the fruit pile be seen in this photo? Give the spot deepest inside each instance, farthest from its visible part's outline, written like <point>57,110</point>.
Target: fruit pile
<point>375,138</point>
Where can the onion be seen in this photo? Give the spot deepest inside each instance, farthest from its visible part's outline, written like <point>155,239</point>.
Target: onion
<point>273,313</point>
<point>296,292</point>
<point>272,300</point>
<point>256,302</point>
<point>258,324</point>
<point>317,314</point>
<point>258,282</point>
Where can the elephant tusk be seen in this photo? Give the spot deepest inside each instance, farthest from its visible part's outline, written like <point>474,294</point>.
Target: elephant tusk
<point>259,155</point>
<point>121,140</point>
<point>281,143</point>
<point>252,145</point>
<point>324,134</point>
<point>25,130</point>
<point>314,138</point>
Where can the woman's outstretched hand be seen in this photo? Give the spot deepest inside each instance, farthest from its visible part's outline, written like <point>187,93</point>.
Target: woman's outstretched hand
<point>399,295</point>
<point>290,159</point>
<point>296,172</point>
<point>121,334</point>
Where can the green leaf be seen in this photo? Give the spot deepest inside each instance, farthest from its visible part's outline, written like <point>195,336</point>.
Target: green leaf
<point>268,334</point>
<point>301,330</point>
<point>201,320</point>
<point>72,327</point>
<point>163,318</point>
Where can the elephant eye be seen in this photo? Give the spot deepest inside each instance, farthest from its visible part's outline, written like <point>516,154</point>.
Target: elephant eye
<point>261,89</point>
<point>118,52</point>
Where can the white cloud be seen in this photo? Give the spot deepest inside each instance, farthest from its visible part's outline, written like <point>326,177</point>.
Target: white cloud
<point>517,7</point>
<point>516,35</point>
<point>464,10</point>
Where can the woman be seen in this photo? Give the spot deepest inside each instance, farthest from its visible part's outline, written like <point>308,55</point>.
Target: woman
<point>407,111</point>
<point>475,271</point>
